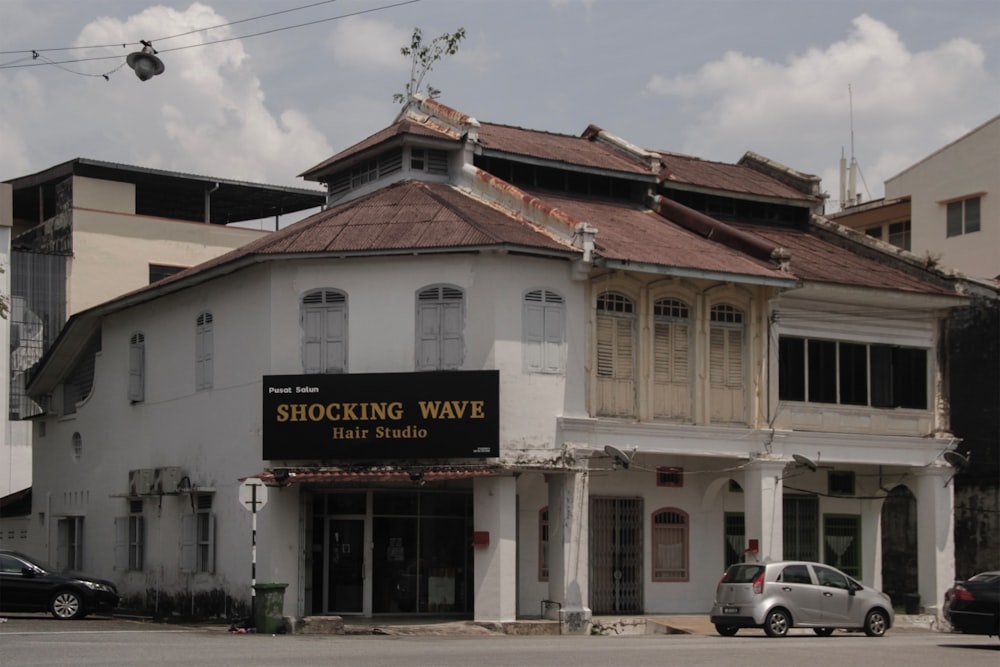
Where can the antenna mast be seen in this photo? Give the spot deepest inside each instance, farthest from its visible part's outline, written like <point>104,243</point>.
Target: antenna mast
<point>848,189</point>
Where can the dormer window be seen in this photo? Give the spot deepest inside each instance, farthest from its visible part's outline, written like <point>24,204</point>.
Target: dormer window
<point>431,161</point>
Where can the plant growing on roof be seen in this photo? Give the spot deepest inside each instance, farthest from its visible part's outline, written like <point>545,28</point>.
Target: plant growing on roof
<point>423,58</point>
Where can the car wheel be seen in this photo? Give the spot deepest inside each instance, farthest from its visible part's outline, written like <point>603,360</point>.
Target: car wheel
<point>726,630</point>
<point>66,605</point>
<point>876,623</point>
<point>823,632</point>
<point>777,623</point>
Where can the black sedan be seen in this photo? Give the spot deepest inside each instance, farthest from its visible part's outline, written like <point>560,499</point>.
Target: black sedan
<point>973,606</point>
<point>27,585</point>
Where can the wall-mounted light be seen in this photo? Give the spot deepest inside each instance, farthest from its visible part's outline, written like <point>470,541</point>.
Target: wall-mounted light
<point>145,63</point>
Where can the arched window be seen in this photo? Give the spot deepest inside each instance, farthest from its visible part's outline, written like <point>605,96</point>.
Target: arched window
<point>440,328</point>
<point>204,365</point>
<point>672,383</point>
<point>615,363</point>
<point>324,331</point>
<point>544,331</point>
<point>670,545</point>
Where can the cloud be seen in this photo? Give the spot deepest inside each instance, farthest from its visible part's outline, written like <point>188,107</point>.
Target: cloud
<point>369,44</point>
<point>206,114</point>
<point>799,111</point>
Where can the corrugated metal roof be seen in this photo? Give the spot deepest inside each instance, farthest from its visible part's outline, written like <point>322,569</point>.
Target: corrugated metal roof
<point>560,148</point>
<point>635,234</point>
<point>405,216</point>
<point>688,170</point>
<point>399,129</point>
<point>816,259</point>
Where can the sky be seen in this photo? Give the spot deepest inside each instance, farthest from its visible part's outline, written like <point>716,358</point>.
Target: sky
<point>246,96</point>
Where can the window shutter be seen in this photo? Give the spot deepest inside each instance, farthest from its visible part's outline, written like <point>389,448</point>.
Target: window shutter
<point>734,353</point>
<point>605,346</point>
<point>451,342</point>
<point>681,354</point>
<point>204,341</point>
<point>429,323</point>
<point>312,346</point>
<point>137,362</point>
<point>121,543</point>
<point>210,565</point>
<point>534,336</point>
<point>624,349</point>
<point>554,325</point>
<point>336,325</point>
<point>717,356</point>
<point>189,543</point>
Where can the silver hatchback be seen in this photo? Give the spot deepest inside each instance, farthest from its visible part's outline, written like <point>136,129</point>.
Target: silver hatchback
<point>785,594</point>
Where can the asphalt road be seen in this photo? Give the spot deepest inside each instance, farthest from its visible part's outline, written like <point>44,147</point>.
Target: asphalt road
<point>35,640</point>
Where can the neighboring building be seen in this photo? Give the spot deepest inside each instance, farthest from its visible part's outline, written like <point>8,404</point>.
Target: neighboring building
<point>85,231</point>
<point>940,208</point>
<point>505,372</point>
<point>945,210</point>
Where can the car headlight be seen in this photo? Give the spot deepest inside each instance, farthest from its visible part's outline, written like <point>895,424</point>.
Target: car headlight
<point>97,586</point>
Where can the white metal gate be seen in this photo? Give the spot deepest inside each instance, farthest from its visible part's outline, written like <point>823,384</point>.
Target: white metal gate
<point>616,555</point>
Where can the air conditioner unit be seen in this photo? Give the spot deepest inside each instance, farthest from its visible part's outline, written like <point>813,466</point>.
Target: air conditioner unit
<point>140,482</point>
<point>165,480</point>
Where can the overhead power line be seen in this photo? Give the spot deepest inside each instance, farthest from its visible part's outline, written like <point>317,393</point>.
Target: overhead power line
<point>34,55</point>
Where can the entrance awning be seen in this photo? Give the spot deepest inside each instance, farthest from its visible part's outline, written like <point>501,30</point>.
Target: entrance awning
<point>377,474</point>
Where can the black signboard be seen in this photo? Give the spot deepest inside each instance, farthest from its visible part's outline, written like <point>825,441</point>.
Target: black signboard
<point>378,416</point>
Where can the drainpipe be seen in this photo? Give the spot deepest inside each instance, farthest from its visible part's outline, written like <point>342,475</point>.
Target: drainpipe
<point>208,202</point>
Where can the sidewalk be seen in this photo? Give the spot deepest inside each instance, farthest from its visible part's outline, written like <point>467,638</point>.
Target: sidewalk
<point>685,624</point>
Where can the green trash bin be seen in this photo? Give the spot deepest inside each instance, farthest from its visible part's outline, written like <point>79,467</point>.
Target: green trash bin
<point>269,606</point>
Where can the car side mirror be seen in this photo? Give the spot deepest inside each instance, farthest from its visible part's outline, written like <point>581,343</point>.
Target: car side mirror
<point>851,590</point>
<point>27,571</point>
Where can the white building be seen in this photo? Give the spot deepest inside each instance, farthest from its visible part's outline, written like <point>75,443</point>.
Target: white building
<point>505,373</point>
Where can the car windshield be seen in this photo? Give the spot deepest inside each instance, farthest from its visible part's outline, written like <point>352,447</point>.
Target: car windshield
<point>742,574</point>
<point>37,564</point>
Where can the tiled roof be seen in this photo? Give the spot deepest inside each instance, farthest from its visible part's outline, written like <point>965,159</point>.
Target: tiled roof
<point>724,176</point>
<point>562,148</point>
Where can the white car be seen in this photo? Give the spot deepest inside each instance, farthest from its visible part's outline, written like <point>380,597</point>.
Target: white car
<point>785,594</point>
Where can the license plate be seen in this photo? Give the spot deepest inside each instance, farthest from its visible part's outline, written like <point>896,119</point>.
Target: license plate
<point>730,610</point>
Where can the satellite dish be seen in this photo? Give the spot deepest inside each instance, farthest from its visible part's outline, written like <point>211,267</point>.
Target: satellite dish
<point>803,461</point>
<point>618,455</point>
<point>955,459</point>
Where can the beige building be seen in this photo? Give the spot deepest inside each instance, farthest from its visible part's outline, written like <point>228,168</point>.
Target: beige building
<point>940,208</point>
<point>84,231</point>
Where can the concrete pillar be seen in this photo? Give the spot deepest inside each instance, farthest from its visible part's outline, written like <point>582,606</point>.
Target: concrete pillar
<point>871,542</point>
<point>763,510</point>
<point>569,556</point>
<point>935,536</point>
<point>495,566</point>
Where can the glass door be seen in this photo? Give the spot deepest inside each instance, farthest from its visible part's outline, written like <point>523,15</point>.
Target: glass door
<point>345,563</point>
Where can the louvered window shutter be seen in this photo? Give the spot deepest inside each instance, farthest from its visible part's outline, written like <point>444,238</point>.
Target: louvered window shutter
<point>534,336</point>
<point>429,326</point>
<point>136,369</point>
